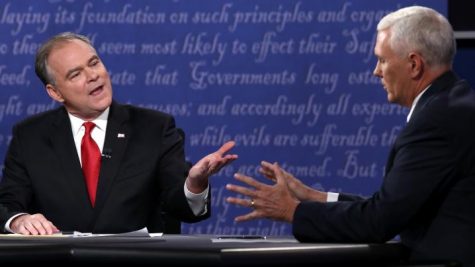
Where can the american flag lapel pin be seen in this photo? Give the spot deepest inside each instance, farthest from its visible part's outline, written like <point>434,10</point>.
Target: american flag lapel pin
<point>120,135</point>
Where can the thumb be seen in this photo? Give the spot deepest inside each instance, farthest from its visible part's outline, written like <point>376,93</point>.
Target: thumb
<point>226,147</point>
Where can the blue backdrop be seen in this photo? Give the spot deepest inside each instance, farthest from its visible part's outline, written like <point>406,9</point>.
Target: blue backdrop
<point>289,81</point>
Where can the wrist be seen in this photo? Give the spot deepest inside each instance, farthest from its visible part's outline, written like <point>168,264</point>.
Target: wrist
<point>196,186</point>
<point>290,214</point>
<point>318,196</point>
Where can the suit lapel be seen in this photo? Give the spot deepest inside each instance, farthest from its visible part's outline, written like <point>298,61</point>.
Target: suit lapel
<point>117,134</point>
<point>62,142</point>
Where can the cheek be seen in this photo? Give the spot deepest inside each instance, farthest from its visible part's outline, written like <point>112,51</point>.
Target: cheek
<point>388,74</point>
<point>76,92</point>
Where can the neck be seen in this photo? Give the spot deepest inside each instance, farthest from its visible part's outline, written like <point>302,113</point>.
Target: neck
<point>428,78</point>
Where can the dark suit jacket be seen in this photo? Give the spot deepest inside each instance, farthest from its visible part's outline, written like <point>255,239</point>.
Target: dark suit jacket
<point>428,193</point>
<point>142,175</point>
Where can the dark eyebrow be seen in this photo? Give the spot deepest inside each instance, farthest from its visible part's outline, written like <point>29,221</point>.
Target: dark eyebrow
<point>94,57</point>
<point>72,70</point>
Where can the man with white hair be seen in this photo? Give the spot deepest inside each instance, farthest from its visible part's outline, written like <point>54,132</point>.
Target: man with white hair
<point>428,191</point>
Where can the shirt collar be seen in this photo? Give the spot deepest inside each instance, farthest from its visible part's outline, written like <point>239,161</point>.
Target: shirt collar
<point>101,122</point>
<point>414,103</point>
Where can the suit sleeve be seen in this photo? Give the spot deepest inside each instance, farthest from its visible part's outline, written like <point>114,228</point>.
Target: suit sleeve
<point>15,187</point>
<point>422,168</point>
<point>173,170</point>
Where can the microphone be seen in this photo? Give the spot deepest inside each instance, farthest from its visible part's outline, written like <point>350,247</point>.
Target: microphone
<point>107,153</point>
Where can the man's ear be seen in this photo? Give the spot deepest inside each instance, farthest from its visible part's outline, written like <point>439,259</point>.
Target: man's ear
<point>54,93</point>
<point>416,65</point>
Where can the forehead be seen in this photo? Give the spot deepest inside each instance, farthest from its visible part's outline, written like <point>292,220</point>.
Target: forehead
<point>69,54</point>
<point>382,42</point>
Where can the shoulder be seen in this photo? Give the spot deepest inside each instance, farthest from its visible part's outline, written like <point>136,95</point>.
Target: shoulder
<point>146,113</point>
<point>42,120</point>
<point>461,96</point>
<point>140,112</point>
<point>449,96</point>
<point>455,104</point>
<point>140,117</point>
<point>451,110</point>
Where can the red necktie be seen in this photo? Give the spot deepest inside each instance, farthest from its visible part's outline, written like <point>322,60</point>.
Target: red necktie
<point>91,161</point>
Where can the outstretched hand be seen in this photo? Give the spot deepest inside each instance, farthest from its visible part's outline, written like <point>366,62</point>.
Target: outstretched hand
<point>299,190</point>
<point>199,174</point>
<point>266,201</point>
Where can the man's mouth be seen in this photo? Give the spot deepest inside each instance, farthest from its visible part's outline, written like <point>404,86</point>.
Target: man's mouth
<point>97,90</point>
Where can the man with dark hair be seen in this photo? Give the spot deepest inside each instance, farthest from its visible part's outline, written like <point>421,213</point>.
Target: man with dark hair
<point>55,178</point>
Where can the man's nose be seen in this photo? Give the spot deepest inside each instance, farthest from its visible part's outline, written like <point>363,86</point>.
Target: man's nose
<point>92,74</point>
<point>377,71</point>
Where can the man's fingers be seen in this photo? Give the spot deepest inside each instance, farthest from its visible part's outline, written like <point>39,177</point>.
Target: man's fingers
<point>239,201</point>
<point>241,190</point>
<point>49,227</point>
<point>278,173</point>
<point>249,180</point>
<point>35,224</point>
<point>22,230</point>
<point>266,164</point>
<point>216,165</point>
<point>40,229</point>
<point>246,217</point>
<point>267,173</point>
<point>266,168</point>
<point>226,147</point>
<point>30,228</point>
<point>245,203</point>
<point>269,170</point>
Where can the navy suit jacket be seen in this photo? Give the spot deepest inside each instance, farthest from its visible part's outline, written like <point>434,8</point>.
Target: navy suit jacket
<point>428,193</point>
<point>141,176</point>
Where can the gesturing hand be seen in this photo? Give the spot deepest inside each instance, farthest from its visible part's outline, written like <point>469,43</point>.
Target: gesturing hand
<point>267,201</point>
<point>299,190</point>
<point>209,165</point>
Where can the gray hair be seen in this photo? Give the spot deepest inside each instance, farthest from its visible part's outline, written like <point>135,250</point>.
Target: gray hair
<point>422,30</point>
<point>41,59</point>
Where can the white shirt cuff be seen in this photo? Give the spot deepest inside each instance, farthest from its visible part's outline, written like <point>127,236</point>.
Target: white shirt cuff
<point>332,197</point>
<point>197,202</point>
<point>7,224</point>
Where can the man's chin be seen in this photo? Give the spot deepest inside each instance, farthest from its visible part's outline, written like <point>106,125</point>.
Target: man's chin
<point>391,99</point>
